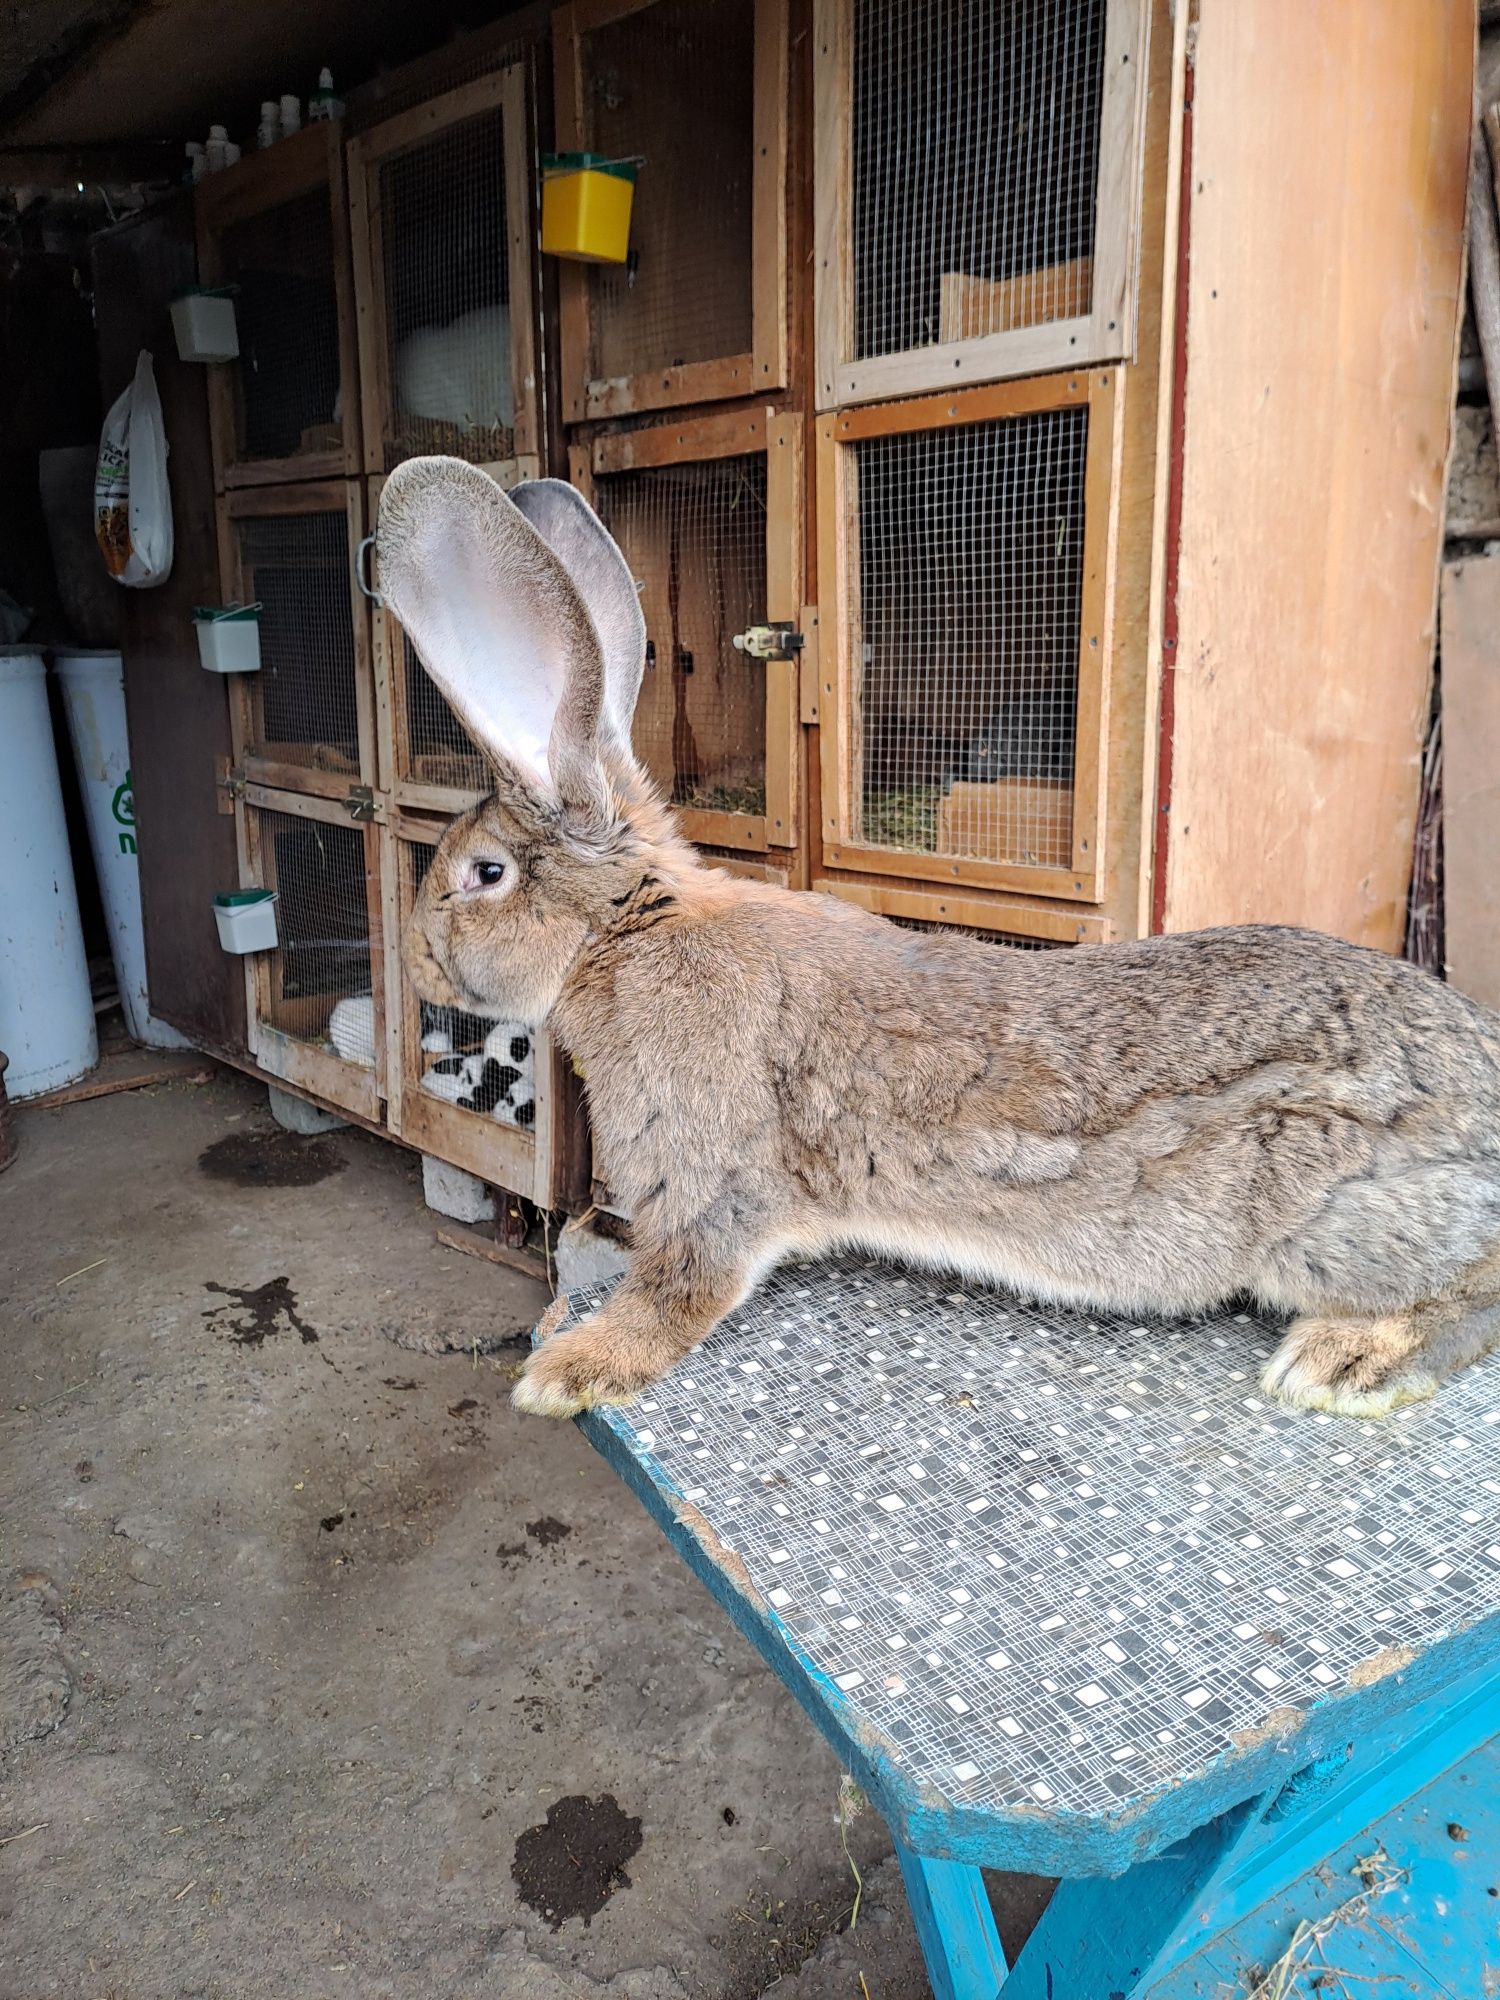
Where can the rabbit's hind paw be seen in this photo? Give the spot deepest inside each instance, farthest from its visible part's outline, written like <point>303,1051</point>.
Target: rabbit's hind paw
<point>1348,1367</point>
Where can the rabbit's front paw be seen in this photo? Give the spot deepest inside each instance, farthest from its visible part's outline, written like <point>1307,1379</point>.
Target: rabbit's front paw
<point>1349,1367</point>
<point>573,1371</point>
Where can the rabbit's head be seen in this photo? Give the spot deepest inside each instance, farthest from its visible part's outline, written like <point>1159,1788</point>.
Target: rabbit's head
<point>525,614</point>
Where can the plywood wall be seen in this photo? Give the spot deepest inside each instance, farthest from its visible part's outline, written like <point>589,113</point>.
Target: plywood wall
<point>1329,159</point>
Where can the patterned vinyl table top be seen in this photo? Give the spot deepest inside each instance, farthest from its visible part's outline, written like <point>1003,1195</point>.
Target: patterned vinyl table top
<point>1060,1560</point>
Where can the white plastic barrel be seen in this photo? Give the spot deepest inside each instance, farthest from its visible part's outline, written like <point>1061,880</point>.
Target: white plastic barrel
<point>46,1009</point>
<point>93,685</point>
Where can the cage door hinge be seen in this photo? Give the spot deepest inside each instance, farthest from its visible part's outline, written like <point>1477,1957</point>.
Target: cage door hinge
<point>360,803</point>
<point>229,781</point>
<point>781,641</point>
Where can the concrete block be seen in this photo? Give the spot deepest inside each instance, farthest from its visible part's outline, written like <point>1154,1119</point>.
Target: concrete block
<point>452,1192</point>
<point>295,1114</point>
<point>583,1257</point>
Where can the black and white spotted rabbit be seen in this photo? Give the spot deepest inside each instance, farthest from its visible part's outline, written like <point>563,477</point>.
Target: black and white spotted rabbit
<point>1146,1128</point>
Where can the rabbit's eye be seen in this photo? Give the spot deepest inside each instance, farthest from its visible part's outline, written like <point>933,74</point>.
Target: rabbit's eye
<point>484,874</point>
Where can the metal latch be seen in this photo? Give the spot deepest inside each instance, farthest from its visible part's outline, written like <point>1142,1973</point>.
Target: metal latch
<point>230,780</point>
<point>359,802</point>
<point>781,641</point>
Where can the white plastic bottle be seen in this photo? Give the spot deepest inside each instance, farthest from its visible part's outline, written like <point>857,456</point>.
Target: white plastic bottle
<point>213,152</point>
<point>269,129</point>
<point>291,115</point>
<point>323,104</point>
<point>197,165</point>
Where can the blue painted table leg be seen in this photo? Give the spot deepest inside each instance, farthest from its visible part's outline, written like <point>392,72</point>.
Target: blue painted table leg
<point>1099,1938</point>
<point>951,1911</point>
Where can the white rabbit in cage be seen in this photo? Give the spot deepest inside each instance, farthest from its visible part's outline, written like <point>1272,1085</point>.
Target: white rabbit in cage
<point>351,1029</point>
<point>460,373</point>
<point>499,1078</point>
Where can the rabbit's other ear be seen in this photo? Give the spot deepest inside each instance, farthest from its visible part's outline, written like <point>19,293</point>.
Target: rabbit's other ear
<point>498,623</point>
<point>591,556</point>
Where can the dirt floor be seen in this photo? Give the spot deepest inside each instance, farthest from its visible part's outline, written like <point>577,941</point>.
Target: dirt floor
<point>322,1673</point>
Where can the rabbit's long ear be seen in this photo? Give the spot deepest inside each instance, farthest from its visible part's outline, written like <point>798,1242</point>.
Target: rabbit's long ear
<point>497,619</point>
<point>591,556</point>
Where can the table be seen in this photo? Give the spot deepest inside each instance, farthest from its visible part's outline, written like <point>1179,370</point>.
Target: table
<point>1067,1594</point>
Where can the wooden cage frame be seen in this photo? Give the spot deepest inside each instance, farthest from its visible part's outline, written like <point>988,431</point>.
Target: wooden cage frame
<point>330,496</point>
<point>508,1155</point>
<point>838,681</point>
<point>504,89</point>
<point>264,181</point>
<point>1105,332</point>
<point>777,433</point>
<point>278,1053</point>
<point>764,367</point>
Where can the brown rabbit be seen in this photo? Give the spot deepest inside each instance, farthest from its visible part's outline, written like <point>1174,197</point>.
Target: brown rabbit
<point>1141,1128</point>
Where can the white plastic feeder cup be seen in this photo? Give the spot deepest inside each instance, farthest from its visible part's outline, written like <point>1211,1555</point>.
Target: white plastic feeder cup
<point>247,921</point>
<point>228,638</point>
<point>204,324</point>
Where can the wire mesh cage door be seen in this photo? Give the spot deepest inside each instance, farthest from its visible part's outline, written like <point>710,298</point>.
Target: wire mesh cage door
<point>275,227</point>
<point>317,1001</point>
<point>977,175</point>
<point>708,516</point>
<point>471,1090</point>
<point>969,543</point>
<point>305,722</point>
<point>441,199</point>
<point>694,92</point>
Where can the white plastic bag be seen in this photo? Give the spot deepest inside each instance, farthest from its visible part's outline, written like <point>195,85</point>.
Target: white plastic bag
<point>132,502</point>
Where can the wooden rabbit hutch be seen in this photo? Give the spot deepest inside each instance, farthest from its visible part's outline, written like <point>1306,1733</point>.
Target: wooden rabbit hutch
<point>1034,502</point>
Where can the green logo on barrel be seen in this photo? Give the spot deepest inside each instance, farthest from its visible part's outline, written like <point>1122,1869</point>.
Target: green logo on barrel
<point>123,807</point>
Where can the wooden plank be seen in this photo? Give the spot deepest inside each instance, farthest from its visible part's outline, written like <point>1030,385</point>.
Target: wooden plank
<point>369,300</point>
<point>1315,440</point>
<point>832,146</point>
<point>256,472</point>
<point>785,529</point>
<point>1117,227</point>
<point>1017,876</point>
<point>683,443</point>
<point>453,1236</point>
<point>326,1077</point>
<point>835,608</point>
<point>723,829</point>
<point>1026,819</point>
<point>1101,525</point>
<point>394,985</point>
<point>574,335</point>
<point>322,496</point>
<point>1163,326</point>
<point>350,417</point>
<point>521,268</point>
<point>1471,775</point>
<point>438,114</point>
<point>694,382</point>
<point>768,255</point>
<point>139,1070</point>
<point>976,913</point>
<point>966,406</point>
<point>360,613</point>
<point>179,716</point>
<point>265,179</point>
<point>972,308</point>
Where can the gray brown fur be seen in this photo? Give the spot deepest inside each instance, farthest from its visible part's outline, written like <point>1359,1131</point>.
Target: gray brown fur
<point>1148,1128</point>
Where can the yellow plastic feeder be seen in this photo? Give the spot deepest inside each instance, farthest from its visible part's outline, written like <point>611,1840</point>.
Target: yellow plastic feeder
<point>586,203</point>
